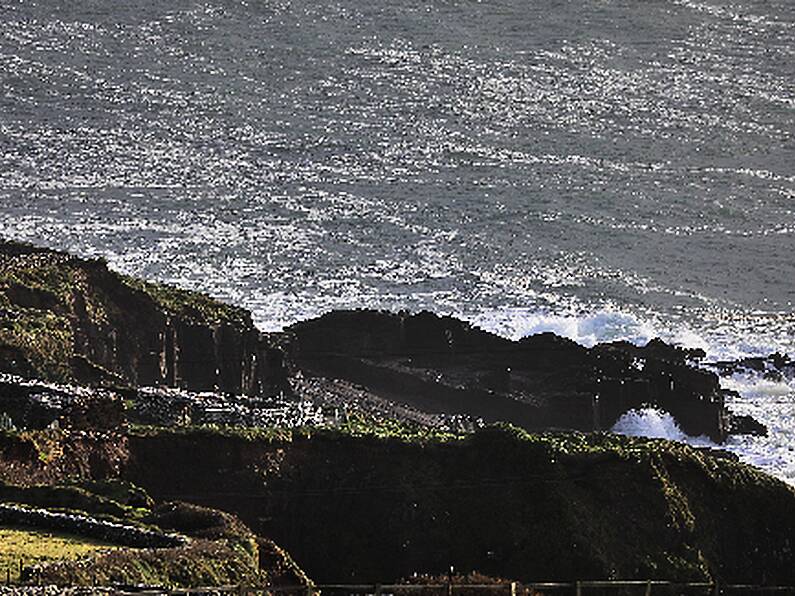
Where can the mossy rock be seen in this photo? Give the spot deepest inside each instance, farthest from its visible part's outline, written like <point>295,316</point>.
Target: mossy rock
<point>67,319</point>
<point>190,306</point>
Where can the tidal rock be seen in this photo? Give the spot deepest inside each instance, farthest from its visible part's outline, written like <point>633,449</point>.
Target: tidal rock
<point>440,364</point>
<point>746,425</point>
<point>774,367</point>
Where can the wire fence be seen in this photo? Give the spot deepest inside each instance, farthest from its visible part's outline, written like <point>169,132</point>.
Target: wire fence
<point>19,575</point>
<point>578,588</point>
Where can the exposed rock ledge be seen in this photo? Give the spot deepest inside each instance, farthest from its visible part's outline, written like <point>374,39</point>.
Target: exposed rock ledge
<point>441,364</point>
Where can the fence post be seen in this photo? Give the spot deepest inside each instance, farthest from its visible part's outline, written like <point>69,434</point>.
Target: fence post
<point>513,588</point>
<point>579,588</point>
<point>648,587</point>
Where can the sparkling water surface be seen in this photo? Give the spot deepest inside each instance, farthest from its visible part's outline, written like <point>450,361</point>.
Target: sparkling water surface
<point>605,169</point>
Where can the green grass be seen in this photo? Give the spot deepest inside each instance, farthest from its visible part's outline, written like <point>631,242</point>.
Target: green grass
<point>42,336</point>
<point>46,297</point>
<point>355,427</point>
<point>191,306</point>
<point>33,547</point>
<point>43,272</point>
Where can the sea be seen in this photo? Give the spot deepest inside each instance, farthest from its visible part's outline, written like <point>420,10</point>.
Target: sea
<point>603,169</point>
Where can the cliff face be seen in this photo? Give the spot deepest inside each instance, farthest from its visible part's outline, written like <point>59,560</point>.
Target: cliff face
<point>380,503</point>
<point>441,364</point>
<point>68,319</point>
<point>370,508</point>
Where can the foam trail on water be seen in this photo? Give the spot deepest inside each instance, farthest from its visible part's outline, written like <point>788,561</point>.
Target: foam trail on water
<point>588,326</point>
<point>771,402</point>
<point>756,386</point>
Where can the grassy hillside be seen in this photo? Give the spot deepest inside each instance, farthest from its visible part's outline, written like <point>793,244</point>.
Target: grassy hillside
<point>204,546</point>
<point>63,318</point>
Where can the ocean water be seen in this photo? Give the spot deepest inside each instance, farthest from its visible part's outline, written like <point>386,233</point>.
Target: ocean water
<point>601,168</point>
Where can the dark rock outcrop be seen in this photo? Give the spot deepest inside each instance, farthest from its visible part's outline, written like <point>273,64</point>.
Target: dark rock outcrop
<point>37,405</point>
<point>746,425</point>
<point>773,367</point>
<point>441,364</point>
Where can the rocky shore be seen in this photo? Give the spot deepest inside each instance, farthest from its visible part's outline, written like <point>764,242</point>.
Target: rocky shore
<point>372,445</point>
<point>71,320</point>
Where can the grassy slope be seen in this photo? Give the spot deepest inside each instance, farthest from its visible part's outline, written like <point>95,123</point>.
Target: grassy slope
<point>33,547</point>
<point>221,550</point>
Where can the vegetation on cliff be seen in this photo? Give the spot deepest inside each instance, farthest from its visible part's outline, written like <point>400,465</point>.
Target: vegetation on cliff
<point>380,505</point>
<point>68,319</point>
<point>217,548</point>
<point>191,306</point>
<point>379,502</point>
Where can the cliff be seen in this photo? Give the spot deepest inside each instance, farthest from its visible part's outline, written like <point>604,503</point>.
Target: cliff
<point>377,504</point>
<point>369,501</point>
<point>380,503</point>
<point>63,318</point>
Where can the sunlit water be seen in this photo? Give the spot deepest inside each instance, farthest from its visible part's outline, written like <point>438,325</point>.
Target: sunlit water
<point>604,169</point>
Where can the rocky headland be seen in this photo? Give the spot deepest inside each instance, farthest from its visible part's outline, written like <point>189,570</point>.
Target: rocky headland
<point>369,445</point>
<point>63,318</point>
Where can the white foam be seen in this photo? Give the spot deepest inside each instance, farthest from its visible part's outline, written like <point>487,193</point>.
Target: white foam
<point>588,330</point>
<point>756,386</point>
<point>772,403</point>
<point>587,324</point>
<point>655,424</point>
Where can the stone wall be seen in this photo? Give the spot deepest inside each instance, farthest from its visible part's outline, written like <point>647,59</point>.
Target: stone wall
<point>90,527</point>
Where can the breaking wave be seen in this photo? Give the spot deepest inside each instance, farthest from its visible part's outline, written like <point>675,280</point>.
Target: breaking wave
<point>655,424</point>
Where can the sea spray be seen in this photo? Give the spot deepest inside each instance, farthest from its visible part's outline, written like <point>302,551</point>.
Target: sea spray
<point>772,402</point>
<point>655,424</point>
<point>775,453</point>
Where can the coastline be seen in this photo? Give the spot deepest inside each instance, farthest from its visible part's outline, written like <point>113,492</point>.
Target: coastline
<point>363,420</point>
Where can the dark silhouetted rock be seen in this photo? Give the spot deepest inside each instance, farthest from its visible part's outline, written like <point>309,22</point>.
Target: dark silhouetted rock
<point>441,364</point>
<point>746,425</point>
